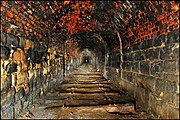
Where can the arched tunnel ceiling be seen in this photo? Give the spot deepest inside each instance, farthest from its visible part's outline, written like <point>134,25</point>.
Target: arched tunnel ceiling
<point>57,21</point>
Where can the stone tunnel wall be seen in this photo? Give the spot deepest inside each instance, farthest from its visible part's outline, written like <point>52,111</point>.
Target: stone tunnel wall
<point>151,74</point>
<point>27,72</point>
<point>150,67</point>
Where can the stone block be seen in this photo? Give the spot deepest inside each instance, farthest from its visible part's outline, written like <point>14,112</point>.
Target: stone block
<point>3,39</point>
<point>173,37</point>
<point>123,65</point>
<point>170,52</point>
<point>171,87</point>
<point>22,77</point>
<point>125,57</point>
<point>153,54</point>
<point>160,87</point>
<point>22,42</point>
<point>145,44</point>
<point>29,44</point>
<point>162,110</point>
<point>173,112</point>
<point>25,105</point>
<point>36,56</point>
<point>19,55</point>
<point>20,93</point>
<point>18,108</point>
<point>14,79</point>
<point>5,52</point>
<point>7,99</point>
<point>170,66</point>
<point>24,65</point>
<point>177,65</point>
<point>128,66</point>
<point>12,40</point>
<point>157,68</point>
<point>124,75</point>
<point>157,106</point>
<point>160,40</point>
<point>130,56</point>
<point>139,55</point>
<point>11,67</point>
<point>129,76</point>
<point>8,113</point>
<point>171,77</point>
<point>135,67</point>
<point>140,96</point>
<point>2,67</point>
<point>144,81</point>
<point>30,74</point>
<point>38,66</point>
<point>145,67</point>
<point>6,82</point>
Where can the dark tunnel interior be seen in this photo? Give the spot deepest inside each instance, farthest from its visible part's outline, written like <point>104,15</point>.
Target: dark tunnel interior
<point>132,44</point>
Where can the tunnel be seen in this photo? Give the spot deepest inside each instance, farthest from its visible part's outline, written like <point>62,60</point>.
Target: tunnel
<point>76,59</point>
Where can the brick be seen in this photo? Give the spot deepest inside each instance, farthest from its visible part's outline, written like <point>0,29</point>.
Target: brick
<point>9,14</point>
<point>157,68</point>
<point>145,67</point>
<point>170,66</point>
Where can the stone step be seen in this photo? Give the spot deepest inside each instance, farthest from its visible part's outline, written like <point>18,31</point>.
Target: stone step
<point>64,86</point>
<point>85,82</point>
<point>74,102</point>
<point>84,76</point>
<point>86,90</point>
<point>93,96</point>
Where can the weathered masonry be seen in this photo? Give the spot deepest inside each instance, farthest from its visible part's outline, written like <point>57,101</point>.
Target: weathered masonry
<point>134,44</point>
